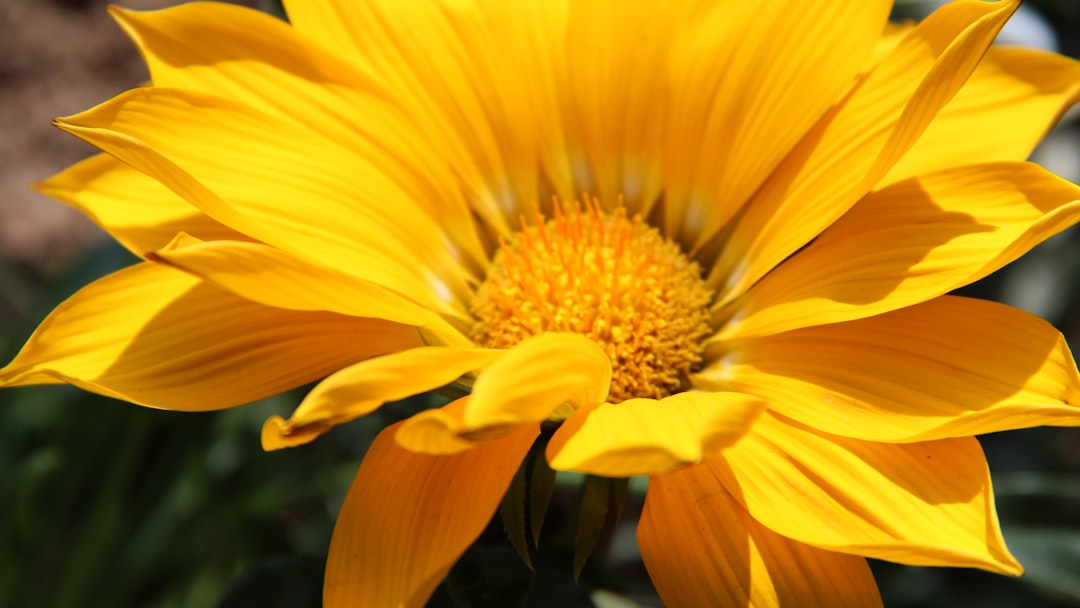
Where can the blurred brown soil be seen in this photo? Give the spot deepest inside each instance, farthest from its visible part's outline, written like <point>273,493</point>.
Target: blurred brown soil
<point>57,57</point>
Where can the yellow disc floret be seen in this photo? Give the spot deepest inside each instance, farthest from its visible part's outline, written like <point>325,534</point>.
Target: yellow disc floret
<point>608,277</point>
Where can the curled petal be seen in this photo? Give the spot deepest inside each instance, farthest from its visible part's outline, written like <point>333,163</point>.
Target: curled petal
<point>360,389</point>
<point>649,437</point>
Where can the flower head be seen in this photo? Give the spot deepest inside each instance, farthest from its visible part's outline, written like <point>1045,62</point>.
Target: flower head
<point>711,241</point>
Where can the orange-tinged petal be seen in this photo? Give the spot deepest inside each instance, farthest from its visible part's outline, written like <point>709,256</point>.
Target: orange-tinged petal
<point>908,243</point>
<point>159,337</point>
<point>950,367</point>
<point>1026,89</point>
<point>542,377</point>
<point>650,437</point>
<point>270,276</point>
<point>284,185</point>
<point>857,142</point>
<point>923,504</point>
<point>260,61</point>
<point>133,208</point>
<point>733,119</point>
<point>702,549</point>
<point>361,388</point>
<point>408,517</point>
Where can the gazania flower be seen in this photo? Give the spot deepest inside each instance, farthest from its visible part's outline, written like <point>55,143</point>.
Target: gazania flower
<point>710,241</point>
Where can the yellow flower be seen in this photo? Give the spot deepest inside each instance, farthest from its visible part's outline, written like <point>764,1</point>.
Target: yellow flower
<point>713,240</point>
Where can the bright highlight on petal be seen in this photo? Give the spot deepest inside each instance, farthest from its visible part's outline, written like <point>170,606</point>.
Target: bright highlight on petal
<point>269,276</point>
<point>924,504</point>
<point>857,142</point>
<point>534,380</point>
<point>161,338</point>
<point>408,517</point>
<point>137,211</point>
<point>908,243</point>
<point>951,367</point>
<point>650,437</point>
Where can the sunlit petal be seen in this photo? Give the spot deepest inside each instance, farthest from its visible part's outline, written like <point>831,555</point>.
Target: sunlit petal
<point>159,337</point>
<point>924,504</point>
<point>950,367</point>
<point>648,437</point>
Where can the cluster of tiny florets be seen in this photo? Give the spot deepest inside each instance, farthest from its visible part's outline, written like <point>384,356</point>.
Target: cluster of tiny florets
<point>613,279</point>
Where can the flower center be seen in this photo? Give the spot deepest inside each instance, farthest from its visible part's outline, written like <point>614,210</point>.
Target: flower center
<point>613,279</point>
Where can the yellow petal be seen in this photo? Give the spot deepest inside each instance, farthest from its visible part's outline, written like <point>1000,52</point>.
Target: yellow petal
<point>950,367</point>
<point>533,381</point>
<point>408,517</point>
<point>478,78</point>
<point>1026,89</point>
<point>284,185</point>
<point>858,141</point>
<point>134,209</point>
<point>272,277</point>
<point>260,61</point>
<point>702,549</point>
<point>732,117</point>
<point>618,55</point>
<point>908,243</point>
<point>650,437</point>
<point>439,431</point>
<point>361,388</point>
<point>923,504</point>
<point>159,337</point>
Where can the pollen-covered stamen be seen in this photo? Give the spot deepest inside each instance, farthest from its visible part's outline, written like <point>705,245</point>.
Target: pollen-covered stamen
<point>608,277</point>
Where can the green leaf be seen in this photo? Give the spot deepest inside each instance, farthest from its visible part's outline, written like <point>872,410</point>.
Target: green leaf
<point>541,486</point>
<point>591,518</point>
<point>512,511</point>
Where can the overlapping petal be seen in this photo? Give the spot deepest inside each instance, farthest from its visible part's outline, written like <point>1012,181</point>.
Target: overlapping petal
<point>702,549</point>
<point>360,389</point>
<point>545,376</point>
<point>133,208</point>
<point>908,243</point>
<point>731,119</point>
<point>284,185</point>
<point>948,368</point>
<point>480,79</point>
<point>1026,89</point>
<point>650,437</point>
<point>269,276</point>
<point>924,504</point>
<point>250,57</point>
<point>857,142</point>
<point>408,517</point>
<point>159,337</point>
